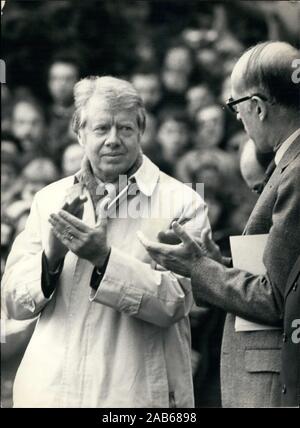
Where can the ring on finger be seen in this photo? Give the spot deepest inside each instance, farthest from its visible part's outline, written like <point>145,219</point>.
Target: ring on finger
<point>68,235</point>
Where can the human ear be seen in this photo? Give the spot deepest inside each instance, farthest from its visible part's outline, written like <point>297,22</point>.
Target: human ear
<point>80,137</point>
<point>261,108</point>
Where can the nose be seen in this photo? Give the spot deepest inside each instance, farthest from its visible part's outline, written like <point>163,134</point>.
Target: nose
<point>28,131</point>
<point>113,137</point>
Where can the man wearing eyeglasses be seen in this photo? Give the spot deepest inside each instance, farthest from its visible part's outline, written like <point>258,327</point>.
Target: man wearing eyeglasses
<point>267,100</point>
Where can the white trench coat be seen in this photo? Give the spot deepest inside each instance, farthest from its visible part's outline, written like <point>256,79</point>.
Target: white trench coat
<point>126,345</point>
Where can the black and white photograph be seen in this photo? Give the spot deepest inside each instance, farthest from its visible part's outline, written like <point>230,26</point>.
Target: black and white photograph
<point>150,206</point>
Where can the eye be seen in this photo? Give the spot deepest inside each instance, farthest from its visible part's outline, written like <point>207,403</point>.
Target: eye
<point>126,129</point>
<point>102,129</point>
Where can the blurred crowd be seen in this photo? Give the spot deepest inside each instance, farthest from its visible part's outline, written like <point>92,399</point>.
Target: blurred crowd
<point>179,57</point>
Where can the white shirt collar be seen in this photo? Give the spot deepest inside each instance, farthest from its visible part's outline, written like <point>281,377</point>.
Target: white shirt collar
<point>146,176</point>
<point>285,145</point>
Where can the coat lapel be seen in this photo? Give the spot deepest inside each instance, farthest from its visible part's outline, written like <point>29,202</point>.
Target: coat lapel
<point>260,219</point>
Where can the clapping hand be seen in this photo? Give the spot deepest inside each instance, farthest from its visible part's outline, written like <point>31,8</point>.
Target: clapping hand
<point>178,251</point>
<point>57,250</point>
<point>86,242</point>
<point>209,247</point>
<point>176,257</point>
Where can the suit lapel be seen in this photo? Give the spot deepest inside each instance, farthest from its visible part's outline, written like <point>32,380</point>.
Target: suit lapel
<point>260,220</point>
<point>292,152</point>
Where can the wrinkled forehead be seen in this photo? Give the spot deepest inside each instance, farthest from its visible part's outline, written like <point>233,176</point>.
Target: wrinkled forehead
<point>99,107</point>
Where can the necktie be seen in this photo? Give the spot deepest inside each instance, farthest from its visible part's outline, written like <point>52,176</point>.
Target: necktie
<point>258,188</point>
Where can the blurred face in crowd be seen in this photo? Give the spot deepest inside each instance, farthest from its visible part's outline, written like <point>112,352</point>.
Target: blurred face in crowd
<point>110,137</point>
<point>8,175</point>
<point>198,97</point>
<point>173,136</point>
<point>195,38</point>
<point>209,61</point>
<point>148,86</point>
<point>62,78</point>
<point>9,147</point>
<point>37,174</point>
<point>72,158</point>
<point>179,59</point>
<point>175,81</point>
<point>210,126</point>
<point>149,136</point>
<point>28,124</point>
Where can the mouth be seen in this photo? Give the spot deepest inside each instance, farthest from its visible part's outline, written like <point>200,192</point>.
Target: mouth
<point>113,155</point>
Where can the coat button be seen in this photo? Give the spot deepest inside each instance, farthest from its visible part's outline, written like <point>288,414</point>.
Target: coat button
<point>295,286</point>
<point>283,390</point>
<point>284,337</point>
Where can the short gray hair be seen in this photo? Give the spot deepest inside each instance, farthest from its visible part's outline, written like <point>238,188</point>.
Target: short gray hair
<point>119,93</point>
<point>269,69</point>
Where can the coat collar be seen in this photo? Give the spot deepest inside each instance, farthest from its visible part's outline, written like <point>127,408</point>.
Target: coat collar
<point>292,152</point>
<point>285,145</point>
<point>146,177</point>
<point>289,155</point>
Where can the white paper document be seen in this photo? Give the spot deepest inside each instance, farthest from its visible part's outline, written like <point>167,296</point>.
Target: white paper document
<point>247,254</point>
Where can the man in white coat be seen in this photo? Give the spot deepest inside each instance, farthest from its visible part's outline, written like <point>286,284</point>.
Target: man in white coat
<point>113,328</point>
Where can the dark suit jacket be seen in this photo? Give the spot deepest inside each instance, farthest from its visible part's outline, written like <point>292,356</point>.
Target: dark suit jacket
<point>250,362</point>
<point>290,368</point>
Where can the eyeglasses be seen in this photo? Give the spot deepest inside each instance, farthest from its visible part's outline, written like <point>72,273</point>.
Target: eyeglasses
<point>231,103</point>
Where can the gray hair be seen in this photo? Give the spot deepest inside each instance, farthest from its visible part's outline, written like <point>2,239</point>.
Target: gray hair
<point>269,69</point>
<point>119,93</point>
